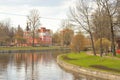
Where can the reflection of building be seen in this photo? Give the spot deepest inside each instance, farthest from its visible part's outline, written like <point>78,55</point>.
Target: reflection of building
<point>43,37</point>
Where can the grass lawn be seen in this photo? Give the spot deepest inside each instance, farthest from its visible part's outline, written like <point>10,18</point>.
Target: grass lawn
<point>95,62</point>
<point>28,48</point>
<point>117,55</point>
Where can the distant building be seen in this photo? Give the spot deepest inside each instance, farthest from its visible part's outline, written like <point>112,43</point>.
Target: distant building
<point>43,37</point>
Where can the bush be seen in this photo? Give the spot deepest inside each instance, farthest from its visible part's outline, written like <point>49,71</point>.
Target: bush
<point>78,43</point>
<point>105,45</point>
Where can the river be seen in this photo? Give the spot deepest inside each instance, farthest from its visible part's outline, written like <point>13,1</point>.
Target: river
<point>35,66</point>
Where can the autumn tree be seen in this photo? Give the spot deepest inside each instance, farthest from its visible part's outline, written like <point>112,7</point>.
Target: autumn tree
<point>19,35</point>
<point>66,36</point>
<point>105,44</point>
<point>6,33</point>
<point>56,39</point>
<point>10,32</point>
<point>3,33</point>
<point>78,43</point>
<point>11,35</point>
<point>34,22</point>
<point>81,14</point>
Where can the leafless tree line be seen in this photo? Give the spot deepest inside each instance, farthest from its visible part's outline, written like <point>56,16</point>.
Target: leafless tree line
<point>8,34</point>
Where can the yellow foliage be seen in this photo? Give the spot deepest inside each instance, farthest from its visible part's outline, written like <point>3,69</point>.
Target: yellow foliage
<point>78,43</point>
<point>105,44</point>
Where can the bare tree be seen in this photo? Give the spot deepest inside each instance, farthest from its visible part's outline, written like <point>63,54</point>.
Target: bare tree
<point>34,22</point>
<point>110,6</point>
<point>118,15</point>
<point>81,15</point>
<point>66,33</point>
<point>101,25</point>
<point>56,38</point>
<point>98,33</point>
<point>6,33</point>
<point>3,34</point>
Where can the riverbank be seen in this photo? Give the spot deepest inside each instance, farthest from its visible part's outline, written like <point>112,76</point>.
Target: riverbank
<point>31,49</point>
<point>91,65</point>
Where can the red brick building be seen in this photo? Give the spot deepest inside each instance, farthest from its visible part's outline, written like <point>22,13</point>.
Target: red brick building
<point>44,37</point>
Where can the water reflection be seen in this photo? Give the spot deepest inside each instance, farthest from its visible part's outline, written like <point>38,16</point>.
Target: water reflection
<point>34,66</point>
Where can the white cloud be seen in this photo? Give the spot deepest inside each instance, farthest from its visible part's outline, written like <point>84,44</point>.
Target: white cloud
<point>16,13</point>
<point>31,2</point>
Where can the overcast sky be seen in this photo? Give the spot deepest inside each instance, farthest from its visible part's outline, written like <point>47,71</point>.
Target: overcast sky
<point>15,11</point>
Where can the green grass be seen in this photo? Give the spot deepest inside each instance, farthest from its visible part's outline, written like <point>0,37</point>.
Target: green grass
<point>117,55</point>
<point>87,61</point>
<point>28,48</point>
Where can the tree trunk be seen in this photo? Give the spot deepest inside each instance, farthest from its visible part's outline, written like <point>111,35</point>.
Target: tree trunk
<point>101,43</point>
<point>33,39</point>
<point>101,49</point>
<point>112,36</point>
<point>113,41</point>
<point>92,41</point>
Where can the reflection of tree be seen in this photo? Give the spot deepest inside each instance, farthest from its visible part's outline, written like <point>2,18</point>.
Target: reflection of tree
<point>31,66</point>
<point>31,61</point>
<point>4,60</point>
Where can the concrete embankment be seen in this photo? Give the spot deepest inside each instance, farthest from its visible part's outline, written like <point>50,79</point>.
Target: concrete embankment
<point>86,71</point>
<point>27,51</point>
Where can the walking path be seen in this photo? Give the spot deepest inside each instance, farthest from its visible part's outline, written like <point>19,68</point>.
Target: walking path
<point>90,53</point>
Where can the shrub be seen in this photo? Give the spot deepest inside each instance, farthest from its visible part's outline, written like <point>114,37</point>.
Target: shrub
<point>105,44</point>
<point>78,43</point>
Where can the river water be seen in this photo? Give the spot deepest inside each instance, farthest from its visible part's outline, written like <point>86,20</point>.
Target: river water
<point>35,66</point>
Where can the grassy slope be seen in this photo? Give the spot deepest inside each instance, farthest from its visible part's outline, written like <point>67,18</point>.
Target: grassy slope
<point>87,61</point>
